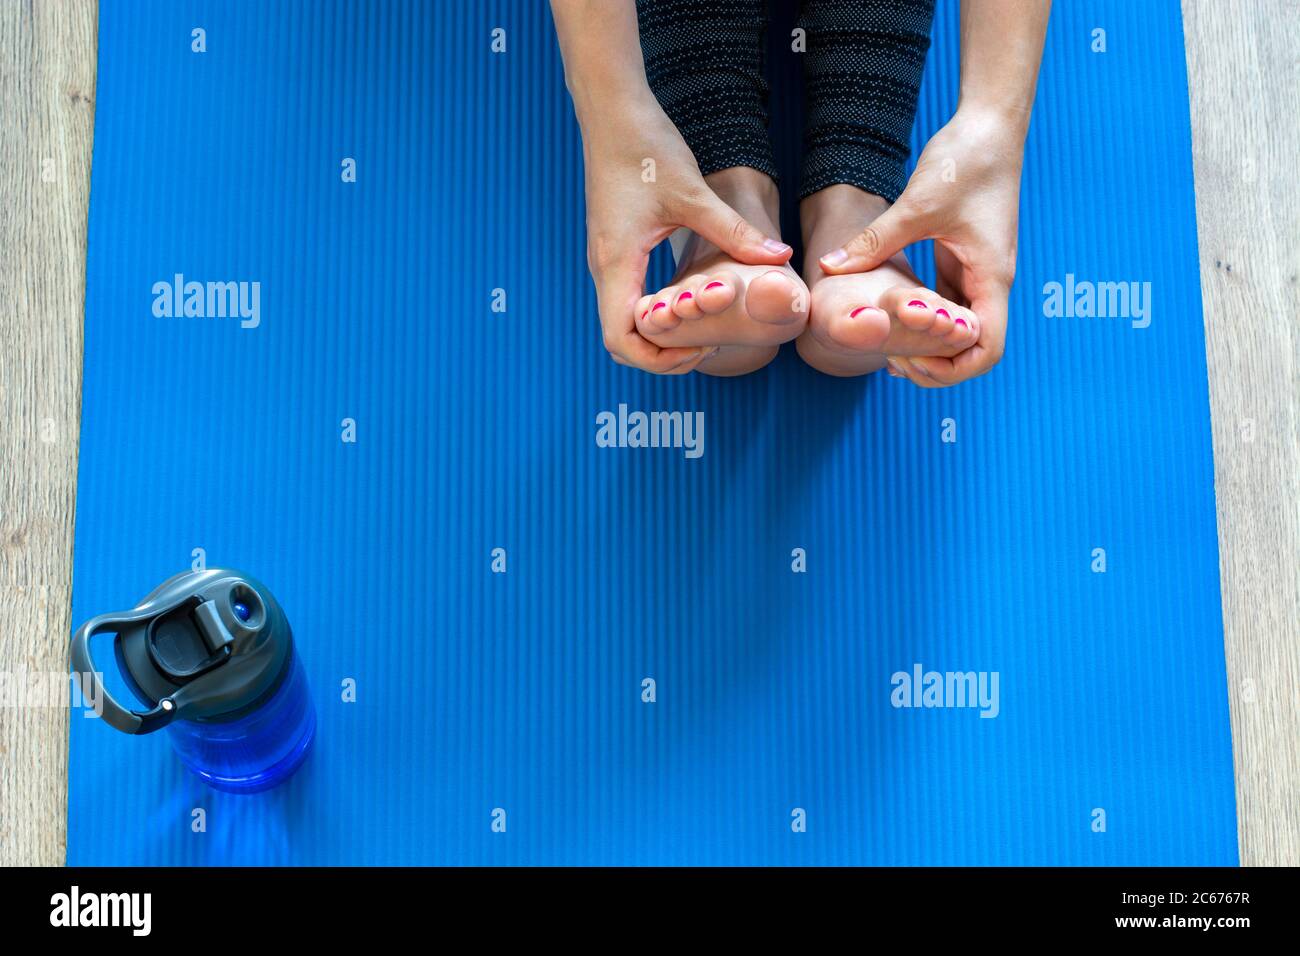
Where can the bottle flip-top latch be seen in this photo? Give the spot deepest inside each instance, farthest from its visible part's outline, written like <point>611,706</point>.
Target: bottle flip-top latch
<point>189,640</point>
<point>214,632</point>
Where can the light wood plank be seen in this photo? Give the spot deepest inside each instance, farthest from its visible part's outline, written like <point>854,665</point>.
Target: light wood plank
<point>1243,60</point>
<point>47,92</point>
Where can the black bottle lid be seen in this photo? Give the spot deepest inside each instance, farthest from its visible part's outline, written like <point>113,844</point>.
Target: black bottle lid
<point>204,645</point>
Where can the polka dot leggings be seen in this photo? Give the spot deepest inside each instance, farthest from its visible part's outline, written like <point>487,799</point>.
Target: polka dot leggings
<point>862,63</point>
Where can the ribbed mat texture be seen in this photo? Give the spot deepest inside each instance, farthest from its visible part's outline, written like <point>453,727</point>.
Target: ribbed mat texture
<point>689,659</point>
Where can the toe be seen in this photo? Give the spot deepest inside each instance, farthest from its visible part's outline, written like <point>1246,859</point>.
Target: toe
<point>717,292</point>
<point>776,297</point>
<point>641,311</point>
<point>660,318</point>
<point>914,307</point>
<point>686,305</point>
<point>943,320</point>
<point>964,330</point>
<point>862,329</point>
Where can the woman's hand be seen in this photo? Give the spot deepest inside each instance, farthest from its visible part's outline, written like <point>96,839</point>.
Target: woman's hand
<point>642,184</point>
<point>964,194</point>
<point>642,179</point>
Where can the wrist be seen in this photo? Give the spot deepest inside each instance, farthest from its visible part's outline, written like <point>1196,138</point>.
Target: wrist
<point>1008,123</point>
<point>619,125</point>
<point>609,103</point>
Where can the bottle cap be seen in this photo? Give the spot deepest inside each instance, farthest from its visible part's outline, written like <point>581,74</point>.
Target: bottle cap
<point>204,646</point>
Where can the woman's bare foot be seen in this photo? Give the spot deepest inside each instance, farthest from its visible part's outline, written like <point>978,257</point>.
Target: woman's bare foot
<point>749,311</point>
<point>858,320</point>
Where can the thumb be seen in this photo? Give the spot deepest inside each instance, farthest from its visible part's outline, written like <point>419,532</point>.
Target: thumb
<point>888,235</point>
<point>733,234</point>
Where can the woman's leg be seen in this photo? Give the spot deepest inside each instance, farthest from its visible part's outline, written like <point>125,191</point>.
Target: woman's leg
<point>862,77</point>
<point>704,63</point>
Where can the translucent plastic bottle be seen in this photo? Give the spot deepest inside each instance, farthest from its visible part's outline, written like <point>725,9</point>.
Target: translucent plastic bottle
<point>211,657</point>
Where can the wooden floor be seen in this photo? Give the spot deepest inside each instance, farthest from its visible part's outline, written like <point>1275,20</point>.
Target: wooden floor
<point>1243,59</point>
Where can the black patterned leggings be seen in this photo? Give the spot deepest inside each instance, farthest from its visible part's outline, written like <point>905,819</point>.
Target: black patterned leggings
<point>862,63</point>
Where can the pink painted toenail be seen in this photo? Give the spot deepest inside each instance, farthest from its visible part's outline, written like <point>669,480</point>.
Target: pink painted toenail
<point>854,314</point>
<point>917,304</point>
<point>713,285</point>
<point>645,313</point>
<point>943,312</point>
<point>659,305</point>
<point>961,322</point>
<point>684,296</point>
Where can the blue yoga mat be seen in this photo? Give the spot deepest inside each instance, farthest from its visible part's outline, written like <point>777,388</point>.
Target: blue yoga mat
<point>781,581</point>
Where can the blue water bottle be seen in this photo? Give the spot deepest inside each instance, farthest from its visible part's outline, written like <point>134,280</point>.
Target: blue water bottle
<point>211,657</point>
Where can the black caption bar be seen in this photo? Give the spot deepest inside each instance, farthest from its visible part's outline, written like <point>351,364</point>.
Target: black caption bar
<point>334,905</point>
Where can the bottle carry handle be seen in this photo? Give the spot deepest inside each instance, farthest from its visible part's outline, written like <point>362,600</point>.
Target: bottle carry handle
<point>222,661</point>
<point>92,684</point>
